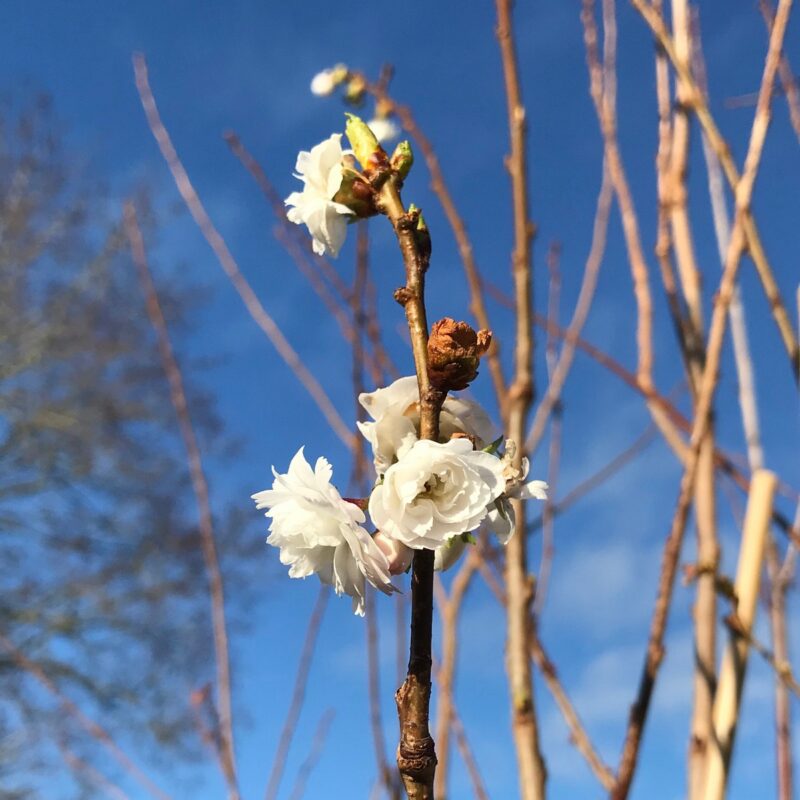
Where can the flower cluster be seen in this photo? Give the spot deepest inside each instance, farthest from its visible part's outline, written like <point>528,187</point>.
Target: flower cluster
<point>428,495</point>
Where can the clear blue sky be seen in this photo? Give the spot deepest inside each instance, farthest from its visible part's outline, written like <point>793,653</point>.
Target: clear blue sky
<point>246,65</point>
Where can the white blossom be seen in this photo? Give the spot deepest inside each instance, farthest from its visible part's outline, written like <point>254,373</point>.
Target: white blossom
<point>395,411</point>
<point>501,517</point>
<point>319,532</point>
<point>436,491</point>
<point>321,173</point>
<point>385,129</point>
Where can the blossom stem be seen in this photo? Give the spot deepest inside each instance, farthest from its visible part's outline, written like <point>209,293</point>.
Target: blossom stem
<point>416,754</point>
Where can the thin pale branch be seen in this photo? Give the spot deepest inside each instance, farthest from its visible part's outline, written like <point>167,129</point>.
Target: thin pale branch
<point>723,152</point>
<point>226,259</point>
<point>177,395</point>
<point>525,728</point>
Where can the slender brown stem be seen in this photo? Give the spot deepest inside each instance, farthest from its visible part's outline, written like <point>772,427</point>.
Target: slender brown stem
<point>177,394</point>
<point>525,728</point>
<point>96,731</point>
<point>416,754</point>
<point>298,694</point>
<point>226,259</point>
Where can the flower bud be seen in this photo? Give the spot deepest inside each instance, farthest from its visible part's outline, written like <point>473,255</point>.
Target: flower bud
<point>446,555</point>
<point>454,351</point>
<point>363,141</point>
<point>355,90</point>
<point>398,554</point>
<point>402,159</point>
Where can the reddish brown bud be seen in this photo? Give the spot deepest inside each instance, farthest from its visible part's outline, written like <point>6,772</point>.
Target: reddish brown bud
<point>454,350</point>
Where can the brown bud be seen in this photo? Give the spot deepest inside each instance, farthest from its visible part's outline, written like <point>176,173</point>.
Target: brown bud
<point>454,350</point>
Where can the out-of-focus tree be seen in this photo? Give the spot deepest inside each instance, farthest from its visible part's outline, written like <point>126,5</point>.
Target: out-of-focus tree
<point>102,573</point>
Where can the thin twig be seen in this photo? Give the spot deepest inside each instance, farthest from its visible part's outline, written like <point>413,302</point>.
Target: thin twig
<point>96,731</point>
<point>177,394</point>
<point>226,259</point>
<point>298,694</point>
<point>310,761</point>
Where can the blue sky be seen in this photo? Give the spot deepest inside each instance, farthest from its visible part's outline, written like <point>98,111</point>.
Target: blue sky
<point>246,66</point>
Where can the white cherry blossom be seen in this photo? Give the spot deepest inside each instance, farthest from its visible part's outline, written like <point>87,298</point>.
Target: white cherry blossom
<point>319,532</point>
<point>323,83</point>
<point>436,491</point>
<point>395,411</point>
<point>501,517</point>
<point>321,173</point>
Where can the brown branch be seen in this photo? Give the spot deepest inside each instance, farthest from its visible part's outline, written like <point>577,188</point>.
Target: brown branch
<point>606,114</point>
<point>96,731</point>
<point>749,230</point>
<point>317,745</point>
<point>525,729</point>
<point>298,694</point>
<point>226,259</point>
<point>705,394</point>
<point>177,395</point>
<point>675,235</point>
<point>416,754</point>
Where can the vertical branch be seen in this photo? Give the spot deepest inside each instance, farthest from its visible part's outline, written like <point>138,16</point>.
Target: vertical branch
<point>705,394</point>
<point>731,680</point>
<point>200,486</point>
<point>416,754</point>
<point>532,770</point>
<point>788,80</point>
<point>673,191</point>
<point>298,694</point>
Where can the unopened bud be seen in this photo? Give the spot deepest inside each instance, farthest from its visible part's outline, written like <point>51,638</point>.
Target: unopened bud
<point>402,159</point>
<point>363,141</point>
<point>355,90</point>
<point>454,351</point>
<point>398,554</point>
